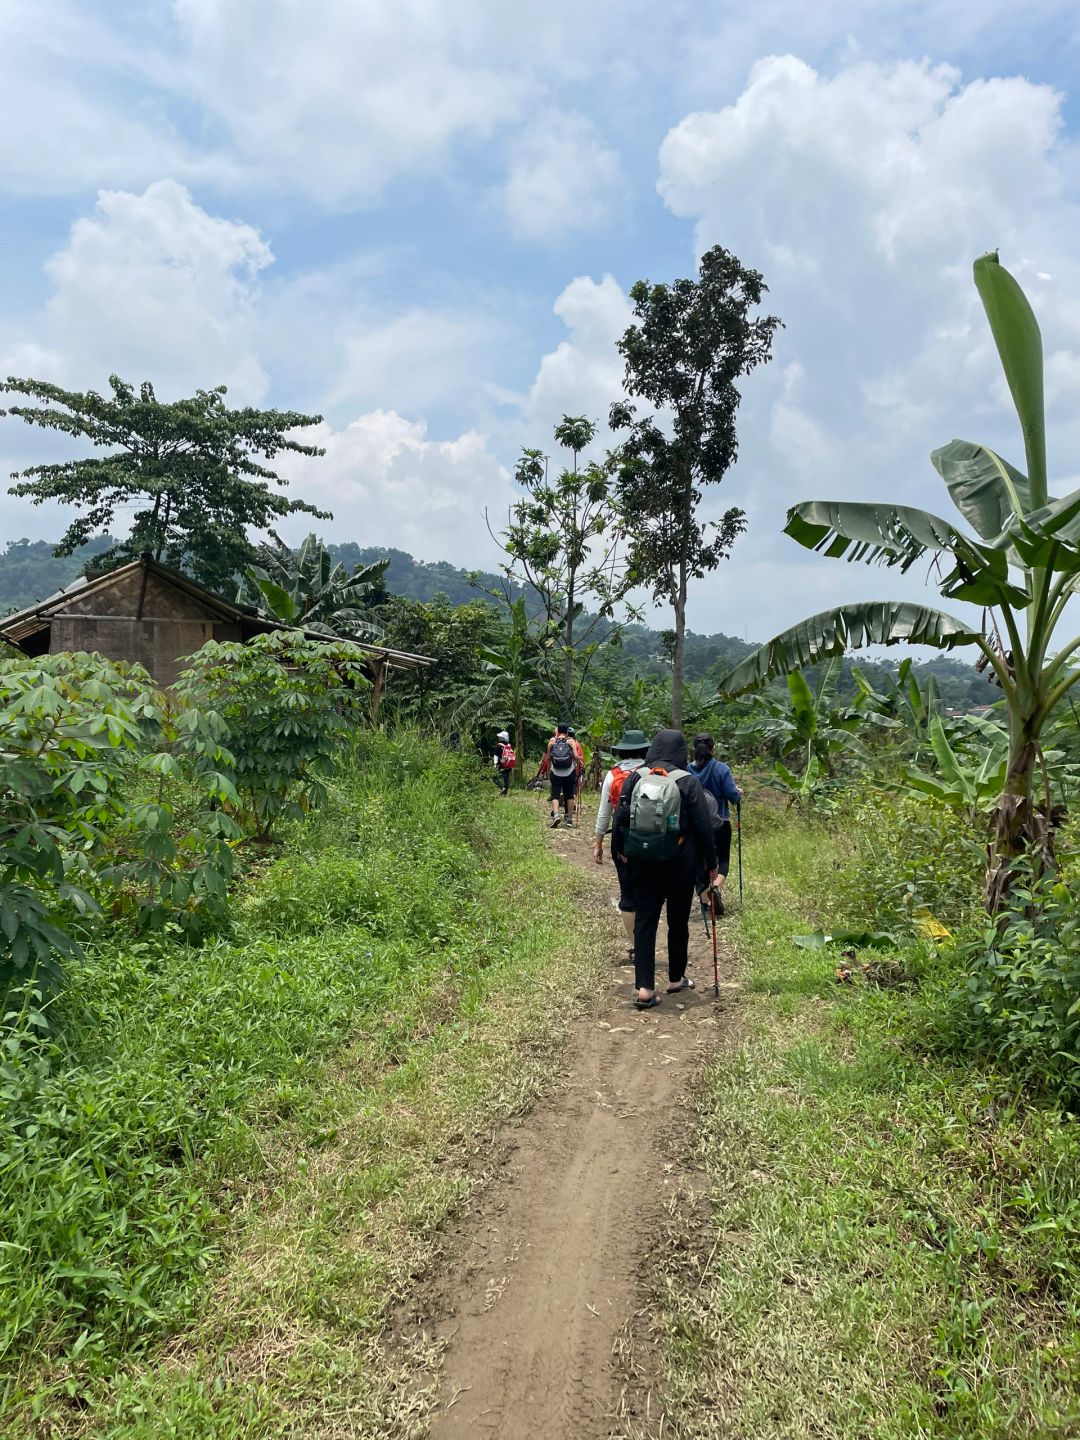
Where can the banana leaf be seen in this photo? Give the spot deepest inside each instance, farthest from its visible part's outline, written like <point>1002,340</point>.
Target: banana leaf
<point>883,534</point>
<point>988,491</point>
<point>850,939</point>
<point>1019,344</point>
<point>848,627</point>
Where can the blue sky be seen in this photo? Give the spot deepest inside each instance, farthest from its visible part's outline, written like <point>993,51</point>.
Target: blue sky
<point>421,220</point>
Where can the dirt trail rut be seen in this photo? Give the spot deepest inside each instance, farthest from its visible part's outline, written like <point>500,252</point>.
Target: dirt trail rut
<point>548,1272</point>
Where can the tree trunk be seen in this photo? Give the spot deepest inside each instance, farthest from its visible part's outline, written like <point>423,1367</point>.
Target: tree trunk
<point>568,658</point>
<point>1017,827</point>
<point>677,653</point>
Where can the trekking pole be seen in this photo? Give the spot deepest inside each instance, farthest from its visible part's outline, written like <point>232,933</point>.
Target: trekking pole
<point>715,971</point>
<point>738,823</point>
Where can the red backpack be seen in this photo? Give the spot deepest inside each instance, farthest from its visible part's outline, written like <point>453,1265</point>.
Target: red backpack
<point>507,760</point>
<point>618,780</point>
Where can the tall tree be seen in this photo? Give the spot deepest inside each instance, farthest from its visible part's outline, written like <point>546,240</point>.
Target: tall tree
<point>563,541</point>
<point>195,466</point>
<point>690,343</point>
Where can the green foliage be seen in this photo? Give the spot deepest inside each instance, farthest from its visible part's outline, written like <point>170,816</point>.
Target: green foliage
<point>82,739</point>
<point>1024,562</point>
<point>903,857</point>
<point>563,544</point>
<point>195,466</point>
<point>308,588</point>
<point>289,703</point>
<point>690,345</point>
<point>969,786</point>
<point>1022,991</point>
<point>30,569</point>
<point>125,1150</point>
<point>452,635</point>
<point>514,666</point>
<point>891,1246</point>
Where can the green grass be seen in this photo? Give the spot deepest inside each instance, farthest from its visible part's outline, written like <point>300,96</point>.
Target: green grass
<point>233,1165</point>
<point>891,1243</point>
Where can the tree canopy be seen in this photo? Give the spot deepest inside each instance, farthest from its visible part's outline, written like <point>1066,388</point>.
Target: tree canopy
<point>690,343</point>
<point>195,469</point>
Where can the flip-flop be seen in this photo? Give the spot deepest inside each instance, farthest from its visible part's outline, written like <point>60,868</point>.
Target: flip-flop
<point>649,1004</point>
<point>684,984</point>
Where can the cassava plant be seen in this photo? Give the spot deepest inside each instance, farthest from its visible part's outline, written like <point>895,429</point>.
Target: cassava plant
<point>1021,563</point>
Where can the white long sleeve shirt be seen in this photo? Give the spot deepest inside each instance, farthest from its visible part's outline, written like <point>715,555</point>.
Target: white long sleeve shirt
<point>603,815</point>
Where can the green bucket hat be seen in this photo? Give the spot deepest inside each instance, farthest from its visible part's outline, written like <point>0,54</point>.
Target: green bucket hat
<point>631,740</point>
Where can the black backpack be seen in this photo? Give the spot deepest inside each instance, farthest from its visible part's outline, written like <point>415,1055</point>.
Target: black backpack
<point>563,759</point>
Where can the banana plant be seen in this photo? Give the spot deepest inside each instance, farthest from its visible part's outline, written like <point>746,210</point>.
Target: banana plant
<point>514,666</point>
<point>808,789</point>
<point>1019,558</point>
<point>310,589</point>
<point>904,704</point>
<point>968,786</point>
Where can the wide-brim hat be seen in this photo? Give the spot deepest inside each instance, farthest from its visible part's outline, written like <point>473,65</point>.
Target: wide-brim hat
<point>631,740</point>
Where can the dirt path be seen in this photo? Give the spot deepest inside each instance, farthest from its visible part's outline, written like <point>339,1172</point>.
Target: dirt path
<point>538,1301</point>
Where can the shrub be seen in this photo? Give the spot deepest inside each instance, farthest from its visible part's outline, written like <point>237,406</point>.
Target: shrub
<point>906,855</point>
<point>91,754</point>
<point>289,704</point>
<point>1022,991</point>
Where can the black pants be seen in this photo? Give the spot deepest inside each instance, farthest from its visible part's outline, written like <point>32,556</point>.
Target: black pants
<point>670,883</point>
<point>502,777</point>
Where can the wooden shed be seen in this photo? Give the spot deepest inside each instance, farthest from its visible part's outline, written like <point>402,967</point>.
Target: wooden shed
<point>147,614</point>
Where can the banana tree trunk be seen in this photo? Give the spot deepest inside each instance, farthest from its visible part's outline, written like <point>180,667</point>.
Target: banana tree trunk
<point>1017,827</point>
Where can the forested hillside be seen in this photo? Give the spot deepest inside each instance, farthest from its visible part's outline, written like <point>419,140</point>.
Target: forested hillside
<point>29,571</point>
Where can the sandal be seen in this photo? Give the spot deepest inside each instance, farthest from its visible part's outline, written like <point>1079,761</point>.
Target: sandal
<point>648,1004</point>
<point>684,984</point>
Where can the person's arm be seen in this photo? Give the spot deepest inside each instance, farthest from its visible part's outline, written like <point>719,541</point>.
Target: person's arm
<point>699,820</point>
<point>603,815</point>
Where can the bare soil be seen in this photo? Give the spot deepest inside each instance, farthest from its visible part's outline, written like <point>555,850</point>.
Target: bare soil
<point>542,1303</point>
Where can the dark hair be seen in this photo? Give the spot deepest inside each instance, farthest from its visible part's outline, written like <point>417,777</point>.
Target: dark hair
<point>562,728</point>
<point>703,748</point>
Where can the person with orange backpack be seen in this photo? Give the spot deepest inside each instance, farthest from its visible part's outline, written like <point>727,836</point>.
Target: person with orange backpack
<point>631,751</point>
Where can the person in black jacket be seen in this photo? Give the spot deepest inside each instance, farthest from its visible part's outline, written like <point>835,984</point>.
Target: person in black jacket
<point>657,883</point>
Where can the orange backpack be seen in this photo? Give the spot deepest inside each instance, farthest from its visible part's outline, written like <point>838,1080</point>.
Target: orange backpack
<point>619,778</point>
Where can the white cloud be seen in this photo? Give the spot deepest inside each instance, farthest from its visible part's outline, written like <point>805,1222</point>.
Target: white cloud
<point>85,103</point>
<point>388,484</point>
<point>864,196</point>
<point>583,374</point>
<point>152,287</point>
<point>563,178</point>
<point>341,98</point>
<point>412,360</point>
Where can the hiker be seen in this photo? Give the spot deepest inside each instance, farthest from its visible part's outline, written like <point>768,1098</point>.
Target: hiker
<point>716,780</point>
<point>663,829</point>
<point>562,766</point>
<point>631,750</point>
<point>504,760</point>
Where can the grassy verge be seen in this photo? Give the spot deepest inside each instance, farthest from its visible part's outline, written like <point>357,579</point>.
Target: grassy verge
<point>221,1184</point>
<point>892,1242</point>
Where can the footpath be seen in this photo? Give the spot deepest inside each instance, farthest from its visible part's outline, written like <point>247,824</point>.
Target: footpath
<point>542,1306</point>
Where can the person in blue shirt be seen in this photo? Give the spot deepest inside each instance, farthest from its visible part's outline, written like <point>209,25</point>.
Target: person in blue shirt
<point>715,777</point>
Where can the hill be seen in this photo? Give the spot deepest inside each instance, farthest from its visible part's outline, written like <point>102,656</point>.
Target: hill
<point>29,571</point>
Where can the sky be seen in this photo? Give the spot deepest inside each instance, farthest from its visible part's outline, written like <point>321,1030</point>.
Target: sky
<point>421,221</point>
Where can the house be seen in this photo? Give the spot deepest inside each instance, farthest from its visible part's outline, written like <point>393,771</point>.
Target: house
<point>147,614</point>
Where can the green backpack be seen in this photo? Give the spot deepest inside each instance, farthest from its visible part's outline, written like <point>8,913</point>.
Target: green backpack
<point>655,811</point>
